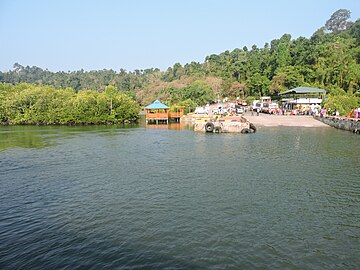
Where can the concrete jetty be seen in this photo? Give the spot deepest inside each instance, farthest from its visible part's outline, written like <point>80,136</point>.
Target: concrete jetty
<point>270,120</point>
<point>262,120</point>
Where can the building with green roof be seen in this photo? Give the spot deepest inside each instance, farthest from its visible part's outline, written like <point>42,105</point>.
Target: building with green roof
<point>302,98</point>
<point>305,91</point>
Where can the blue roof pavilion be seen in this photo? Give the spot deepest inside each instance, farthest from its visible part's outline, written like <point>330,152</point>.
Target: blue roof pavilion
<point>156,105</point>
<point>157,112</point>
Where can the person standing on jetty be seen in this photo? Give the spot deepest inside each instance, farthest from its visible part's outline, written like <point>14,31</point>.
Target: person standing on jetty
<point>322,112</point>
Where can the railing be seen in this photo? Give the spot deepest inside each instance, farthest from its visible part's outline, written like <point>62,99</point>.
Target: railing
<point>157,115</point>
<point>176,114</point>
<point>164,114</point>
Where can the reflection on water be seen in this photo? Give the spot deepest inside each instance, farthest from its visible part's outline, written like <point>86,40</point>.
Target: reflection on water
<point>105,197</point>
<point>171,126</point>
<point>28,137</point>
<point>43,136</point>
<point>39,137</point>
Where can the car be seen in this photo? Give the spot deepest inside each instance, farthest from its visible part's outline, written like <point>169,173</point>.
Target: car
<point>239,110</point>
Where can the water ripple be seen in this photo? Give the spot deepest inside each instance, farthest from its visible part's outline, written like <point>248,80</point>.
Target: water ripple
<point>165,199</point>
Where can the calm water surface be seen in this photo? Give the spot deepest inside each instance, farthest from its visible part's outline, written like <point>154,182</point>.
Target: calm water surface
<point>150,198</point>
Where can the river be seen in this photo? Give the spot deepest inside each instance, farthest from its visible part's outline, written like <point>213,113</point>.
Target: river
<point>155,198</point>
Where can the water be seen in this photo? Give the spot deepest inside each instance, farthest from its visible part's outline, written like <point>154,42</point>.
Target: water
<point>137,198</point>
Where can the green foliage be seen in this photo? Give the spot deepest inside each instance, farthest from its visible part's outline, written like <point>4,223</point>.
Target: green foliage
<point>258,84</point>
<point>172,95</point>
<point>286,78</point>
<point>189,105</point>
<point>338,21</point>
<point>250,99</point>
<point>342,102</point>
<point>355,31</point>
<point>199,92</point>
<point>45,105</point>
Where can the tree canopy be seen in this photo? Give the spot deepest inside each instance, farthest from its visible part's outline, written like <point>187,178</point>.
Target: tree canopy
<point>338,21</point>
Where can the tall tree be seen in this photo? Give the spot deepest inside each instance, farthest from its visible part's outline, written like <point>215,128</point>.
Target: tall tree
<point>338,21</point>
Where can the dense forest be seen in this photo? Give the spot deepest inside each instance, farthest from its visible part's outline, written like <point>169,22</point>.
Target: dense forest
<point>329,59</point>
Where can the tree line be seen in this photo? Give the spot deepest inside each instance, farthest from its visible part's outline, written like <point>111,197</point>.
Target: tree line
<point>329,59</point>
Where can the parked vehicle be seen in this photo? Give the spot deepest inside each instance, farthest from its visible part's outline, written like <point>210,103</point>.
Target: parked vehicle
<point>264,104</point>
<point>256,107</point>
<point>271,108</point>
<point>264,107</point>
<point>239,109</point>
<point>274,108</point>
<point>201,110</point>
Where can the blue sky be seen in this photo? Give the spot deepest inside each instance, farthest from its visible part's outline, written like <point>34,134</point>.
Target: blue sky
<point>138,34</point>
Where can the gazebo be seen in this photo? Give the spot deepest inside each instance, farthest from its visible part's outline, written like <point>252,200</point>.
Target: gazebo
<point>157,112</point>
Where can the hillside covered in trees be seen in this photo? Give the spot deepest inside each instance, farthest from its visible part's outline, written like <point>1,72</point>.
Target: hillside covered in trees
<point>329,59</point>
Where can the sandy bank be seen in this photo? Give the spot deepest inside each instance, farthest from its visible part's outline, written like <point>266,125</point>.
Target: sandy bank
<point>267,120</point>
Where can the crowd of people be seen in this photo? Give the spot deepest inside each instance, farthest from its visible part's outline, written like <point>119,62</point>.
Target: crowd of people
<point>327,112</point>
<point>233,108</point>
<point>355,113</point>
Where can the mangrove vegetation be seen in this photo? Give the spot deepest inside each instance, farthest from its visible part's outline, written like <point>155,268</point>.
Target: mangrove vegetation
<point>33,104</point>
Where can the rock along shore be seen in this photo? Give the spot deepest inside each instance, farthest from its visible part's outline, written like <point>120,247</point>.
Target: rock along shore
<point>341,122</point>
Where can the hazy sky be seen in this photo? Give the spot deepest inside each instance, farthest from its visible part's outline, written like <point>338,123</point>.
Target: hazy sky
<point>139,34</point>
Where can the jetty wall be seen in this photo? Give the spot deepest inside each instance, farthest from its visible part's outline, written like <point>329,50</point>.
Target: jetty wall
<point>345,123</point>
